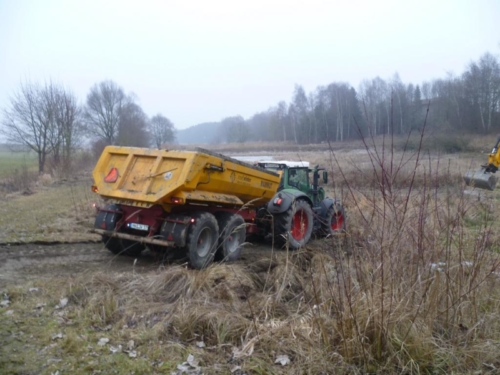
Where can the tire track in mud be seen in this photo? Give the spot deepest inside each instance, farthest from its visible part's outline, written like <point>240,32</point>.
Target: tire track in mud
<point>23,262</point>
<point>20,263</point>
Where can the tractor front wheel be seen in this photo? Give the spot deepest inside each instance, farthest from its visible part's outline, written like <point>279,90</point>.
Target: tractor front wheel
<point>335,220</point>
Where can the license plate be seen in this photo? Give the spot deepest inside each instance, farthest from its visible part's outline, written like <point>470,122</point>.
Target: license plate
<point>138,226</point>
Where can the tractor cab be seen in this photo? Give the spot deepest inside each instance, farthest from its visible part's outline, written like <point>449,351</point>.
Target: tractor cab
<point>295,176</point>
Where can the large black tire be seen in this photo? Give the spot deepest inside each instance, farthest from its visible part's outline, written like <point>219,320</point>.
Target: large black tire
<point>232,234</point>
<point>120,246</point>
<point>294,226</point>
<point>167,254</point>
<point>202,240</point>
<point>117,246</point>
<point>113,245</point>
<point>335,221</point>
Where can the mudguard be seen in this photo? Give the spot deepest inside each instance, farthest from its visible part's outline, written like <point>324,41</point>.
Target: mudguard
<point>326,204</point>
<point>175,229</point>
<point>287,196</point>
<point>108,217</point>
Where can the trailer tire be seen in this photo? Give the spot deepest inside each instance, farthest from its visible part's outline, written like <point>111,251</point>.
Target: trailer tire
<point>202,240</point>
<point>117,246</point>
<point>294,226</point>
<point>335,221</point>
<point>112,244</point>
<point>167,254</point>
<point>120,246</point>
<point>232,234</point>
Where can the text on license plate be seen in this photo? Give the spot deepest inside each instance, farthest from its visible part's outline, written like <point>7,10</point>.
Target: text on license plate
<point>138,226</point>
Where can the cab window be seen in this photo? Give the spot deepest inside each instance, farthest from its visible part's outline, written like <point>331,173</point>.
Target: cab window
<point>298,178</point>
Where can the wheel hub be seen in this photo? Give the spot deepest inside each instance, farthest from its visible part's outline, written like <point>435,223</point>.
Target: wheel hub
<point>299,225</point>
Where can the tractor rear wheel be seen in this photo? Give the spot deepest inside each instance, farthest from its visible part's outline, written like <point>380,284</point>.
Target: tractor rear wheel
<point>335,221</point>
<point>202,240</point>
<point>232,234</point>
<point>294,226</point>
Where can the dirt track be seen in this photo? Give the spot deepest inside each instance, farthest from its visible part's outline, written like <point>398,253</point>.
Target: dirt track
<point>21,263</point>
<point>31,261</point>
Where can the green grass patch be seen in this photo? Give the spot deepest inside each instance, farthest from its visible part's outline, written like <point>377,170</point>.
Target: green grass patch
<point>10,161</point>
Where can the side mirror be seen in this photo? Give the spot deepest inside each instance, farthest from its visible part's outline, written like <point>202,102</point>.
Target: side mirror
<point>325,177</point>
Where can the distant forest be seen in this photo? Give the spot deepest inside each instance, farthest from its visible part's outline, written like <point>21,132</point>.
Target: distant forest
<point>48,119</point>
<point>469,103</point>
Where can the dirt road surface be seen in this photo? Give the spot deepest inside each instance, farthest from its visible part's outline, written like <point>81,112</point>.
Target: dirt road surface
<point>26,262</point>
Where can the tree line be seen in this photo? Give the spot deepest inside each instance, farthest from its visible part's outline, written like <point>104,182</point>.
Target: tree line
<point>336,112</point>
<point>48,120</point>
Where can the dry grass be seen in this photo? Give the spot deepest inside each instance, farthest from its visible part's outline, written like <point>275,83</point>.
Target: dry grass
<point>327,310</point>
<point>48,211</point>
<point>413,287</point>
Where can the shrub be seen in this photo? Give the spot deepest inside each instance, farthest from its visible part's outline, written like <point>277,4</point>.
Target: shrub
<point>21,179</point>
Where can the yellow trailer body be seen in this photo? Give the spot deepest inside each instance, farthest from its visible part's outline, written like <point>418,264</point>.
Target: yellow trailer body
<point>145,177</point>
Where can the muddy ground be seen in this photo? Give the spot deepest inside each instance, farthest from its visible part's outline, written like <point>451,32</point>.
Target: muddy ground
<point>25,262</point>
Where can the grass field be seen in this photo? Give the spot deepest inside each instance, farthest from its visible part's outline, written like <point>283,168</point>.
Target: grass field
<point>59,213</point>
<point>412,288</point>
<point>10,161</point>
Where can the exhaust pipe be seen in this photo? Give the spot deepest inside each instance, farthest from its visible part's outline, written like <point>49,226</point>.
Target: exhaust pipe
<point>480,179</point>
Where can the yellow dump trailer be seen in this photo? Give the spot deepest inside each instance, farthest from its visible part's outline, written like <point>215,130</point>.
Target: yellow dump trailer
<point>145,177</point>
<point>200,202</point>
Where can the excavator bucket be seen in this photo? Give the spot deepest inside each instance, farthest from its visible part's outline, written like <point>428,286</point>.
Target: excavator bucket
<point>480,179</point>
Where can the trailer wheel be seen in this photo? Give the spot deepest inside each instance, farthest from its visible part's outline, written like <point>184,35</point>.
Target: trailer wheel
<point>294,226</point>
<point>167,254</point>
<point>202,240</point>
<point>120,246</point>
<point>107,220</point>
<point>232,234</point>
<point>112,244</point>
<point>335,221</point>
<point>126,247</point>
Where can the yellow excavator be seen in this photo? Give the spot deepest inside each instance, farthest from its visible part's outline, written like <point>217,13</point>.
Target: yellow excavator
<point>484,178</point>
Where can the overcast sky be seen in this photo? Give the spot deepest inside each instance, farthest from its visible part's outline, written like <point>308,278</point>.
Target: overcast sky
<point>200,61</point>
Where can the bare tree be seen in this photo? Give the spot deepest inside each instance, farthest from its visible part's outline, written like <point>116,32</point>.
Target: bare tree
<point>132,126</point>
<point>273,124</point>
<point>281,112</point>
<point>234,129</point>
<point>292,114</point>
<point>376,98</point>
<point>162,130</point>
<point>400,108</point>
<point>482,82</point>
<point>68,120</point>
<point>102,112</point>
<point>66,127</point>
<point>299,112</point>
<point>30,120</point>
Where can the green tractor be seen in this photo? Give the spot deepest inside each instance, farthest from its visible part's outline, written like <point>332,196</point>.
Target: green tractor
<point>299,208</point>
